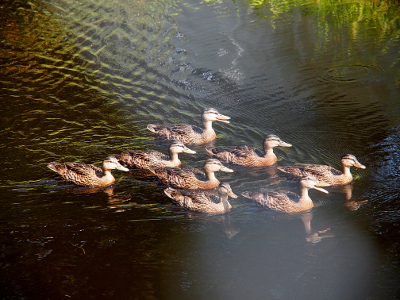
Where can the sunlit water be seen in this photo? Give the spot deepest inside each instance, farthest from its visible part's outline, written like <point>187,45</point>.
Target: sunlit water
<point>82,79</point>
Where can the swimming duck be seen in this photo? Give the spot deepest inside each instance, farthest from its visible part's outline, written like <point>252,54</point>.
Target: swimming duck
<point>189,178</point>
<point>286,201</point>
<point>88,175</point>
<point>203,201</point>
<point>249,156</point>
<point>324,173</point>
<point>190,134</point>
<point>142,159</point>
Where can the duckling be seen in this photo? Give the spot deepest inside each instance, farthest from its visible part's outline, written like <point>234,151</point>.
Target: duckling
<point>189,178</point>
<point>286,201</point>
<point>324,173</point>
<point>142,159</point>
<point>250,156</point>
<point>190,134</point>
<point>203,201</point>
<point>88,175</point>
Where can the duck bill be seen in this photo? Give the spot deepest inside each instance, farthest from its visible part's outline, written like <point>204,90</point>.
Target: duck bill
<point>358,165</point>
<point>232,195</point>
<point>225,169</point>
<point>322,184</point>
<point>222,118</point>
<point>122,168</point>
<point>283,144</point>
<point>187,150</point>
<point>321,190</point>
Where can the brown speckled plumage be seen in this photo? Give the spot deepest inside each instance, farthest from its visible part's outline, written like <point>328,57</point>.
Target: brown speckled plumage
<point>324,173</point>
<point>142,159</point>
<point>286,201</point>
<point>86,174</point>
<point>249,156</point>
<point>189,178</point>
<point>190,134</point>
<point>203,201</point>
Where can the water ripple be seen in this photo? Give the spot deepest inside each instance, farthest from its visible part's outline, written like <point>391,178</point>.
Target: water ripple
<point>352,73</point>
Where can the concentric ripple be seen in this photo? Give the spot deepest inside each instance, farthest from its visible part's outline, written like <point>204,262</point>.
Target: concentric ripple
<point>351,73</point>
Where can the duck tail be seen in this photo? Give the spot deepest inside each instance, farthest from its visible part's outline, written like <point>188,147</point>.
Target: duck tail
<point>209,150</point>
<point>246,194</point>
<point>170,192</point>
<point>152,127</point>
<point>54,166</point>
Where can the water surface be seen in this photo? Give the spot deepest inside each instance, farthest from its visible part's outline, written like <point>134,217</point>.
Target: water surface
<point>82,79</point>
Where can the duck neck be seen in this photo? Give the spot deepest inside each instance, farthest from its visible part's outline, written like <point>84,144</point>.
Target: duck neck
<point>107,177</point>
<point>211,176</point>
<point>305,199</point>
<point>224,202</point>
<point>174,159</point>
<point>346,172</point>
<point>207,125</point>
<point>268,151</point>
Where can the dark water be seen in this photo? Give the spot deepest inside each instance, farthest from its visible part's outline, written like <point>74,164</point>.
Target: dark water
<point>82,79</point>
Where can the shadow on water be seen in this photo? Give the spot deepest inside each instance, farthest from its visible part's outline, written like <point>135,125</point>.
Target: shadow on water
<point>82,79</point>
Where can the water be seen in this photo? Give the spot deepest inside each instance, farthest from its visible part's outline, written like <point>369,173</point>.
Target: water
<point>82,79</point>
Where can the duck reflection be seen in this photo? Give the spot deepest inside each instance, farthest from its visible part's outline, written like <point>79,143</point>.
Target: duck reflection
<point>88,190</point>
<point>311,235</point>
<point>228,226</point>
<point>354,205</point>
<point>114,201</point>
<point>316,236</point>
<point>209,204</point>
<point>350,203</point>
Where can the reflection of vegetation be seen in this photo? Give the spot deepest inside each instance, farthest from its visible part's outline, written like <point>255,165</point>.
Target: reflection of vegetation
<point>377,21</point>
<point>384,14</point>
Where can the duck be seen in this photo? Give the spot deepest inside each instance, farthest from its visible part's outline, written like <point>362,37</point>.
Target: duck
<point>191,134</point>
<point>203,201</point>
<point>324,173</point>
<point>286,201</point>
<point>249,156</point>
<point>142,159</point>
<point>190,178</point>
<point>87,174</point>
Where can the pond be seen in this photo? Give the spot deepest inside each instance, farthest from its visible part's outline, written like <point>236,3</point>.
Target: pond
<point>82,79</point>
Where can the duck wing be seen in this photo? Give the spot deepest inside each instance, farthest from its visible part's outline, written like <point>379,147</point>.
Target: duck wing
<point>278,200</point>
<point>181,178</point>
<point>78,173</point>
<point>183,133</point>
<point>234,154</point>
<point>180,197</point>
<point>142,159</point>
<point>321,172</point>
<point>245,151</point>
